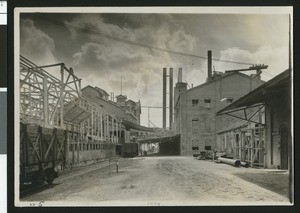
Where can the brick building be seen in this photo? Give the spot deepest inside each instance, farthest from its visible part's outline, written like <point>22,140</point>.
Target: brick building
<point>195,108</point>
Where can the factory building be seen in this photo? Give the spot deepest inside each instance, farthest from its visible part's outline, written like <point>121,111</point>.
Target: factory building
<point>195,108</point>
<point>123,109</point>
<point>275,144</point>
<point>130,106</point>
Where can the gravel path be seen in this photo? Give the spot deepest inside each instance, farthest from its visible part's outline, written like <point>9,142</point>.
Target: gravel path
<point>154,181</point>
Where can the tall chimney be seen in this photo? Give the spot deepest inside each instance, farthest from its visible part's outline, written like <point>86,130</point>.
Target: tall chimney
<point>164,97</point>
<point>209,67</point>
<point>179,75</point>
<point>171,98</point>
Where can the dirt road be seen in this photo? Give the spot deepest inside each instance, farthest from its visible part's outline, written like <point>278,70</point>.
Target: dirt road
<point>157,181</point>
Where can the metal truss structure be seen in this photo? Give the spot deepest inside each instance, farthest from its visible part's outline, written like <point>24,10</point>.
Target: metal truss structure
<point>43,96</point>
<point>57,102</point>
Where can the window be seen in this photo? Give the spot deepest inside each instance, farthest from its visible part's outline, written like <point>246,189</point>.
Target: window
<point>195,126</point>
<point>207,102</point>
<point>208,144</point>
<point>207,147</point>
<point>195,148</point>
<point>256,131</point>
<point>195,102</point>
<point>195,144</point>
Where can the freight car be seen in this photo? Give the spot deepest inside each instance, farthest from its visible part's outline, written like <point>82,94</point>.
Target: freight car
<point>129,149</point>
<point>42,150</point>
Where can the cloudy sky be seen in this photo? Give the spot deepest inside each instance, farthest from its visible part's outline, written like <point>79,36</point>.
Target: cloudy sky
<point>102,47</point>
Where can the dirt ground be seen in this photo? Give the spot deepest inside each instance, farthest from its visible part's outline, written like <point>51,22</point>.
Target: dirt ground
<point>160,181</point>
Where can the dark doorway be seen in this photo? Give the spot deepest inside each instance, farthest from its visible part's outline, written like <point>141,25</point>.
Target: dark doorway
<point>170,147</point>
<point>284,141</point>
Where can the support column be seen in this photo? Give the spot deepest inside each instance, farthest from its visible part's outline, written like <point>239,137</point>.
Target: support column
<point>171,98</point>
<point>113,129</point>
<point>61,94</point>
<point>117,131</point>
<point>164,96</point>
<point>101,126</point>
<point>107,128</point>
<point>92,124</point>
<point>45,102</point>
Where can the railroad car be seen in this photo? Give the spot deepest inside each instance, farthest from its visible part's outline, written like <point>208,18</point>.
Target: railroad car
<point>42,151</point>
<point>129,149</point>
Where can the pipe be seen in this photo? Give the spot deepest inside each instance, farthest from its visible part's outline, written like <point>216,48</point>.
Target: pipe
<point>232,162</point>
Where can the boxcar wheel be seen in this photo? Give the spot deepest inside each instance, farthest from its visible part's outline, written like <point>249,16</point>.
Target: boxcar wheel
<point>50,178</point>
<point>38,179</point>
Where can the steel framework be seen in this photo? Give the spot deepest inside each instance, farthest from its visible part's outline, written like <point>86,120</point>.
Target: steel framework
<point>57,102</point>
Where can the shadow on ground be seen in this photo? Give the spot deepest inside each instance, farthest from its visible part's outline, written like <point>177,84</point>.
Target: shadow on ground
<point>276,182</point>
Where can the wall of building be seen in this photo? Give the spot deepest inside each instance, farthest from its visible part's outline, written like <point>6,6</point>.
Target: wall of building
<point>278,115</point>
<point>89,152</point>
<point>196,120</point>
<point>109,106</point>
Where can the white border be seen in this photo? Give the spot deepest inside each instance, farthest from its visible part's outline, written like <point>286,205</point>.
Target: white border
<point>153,9</point>
<point>178,10</point>
<point>3,181</point>
<point>17,107</point>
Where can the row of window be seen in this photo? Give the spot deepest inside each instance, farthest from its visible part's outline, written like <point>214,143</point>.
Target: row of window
<point>207,101</point>
<point>90,147</point>
<point>197,147</point>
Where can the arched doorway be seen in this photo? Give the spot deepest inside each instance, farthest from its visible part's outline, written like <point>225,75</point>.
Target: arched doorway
<point>284,142</point>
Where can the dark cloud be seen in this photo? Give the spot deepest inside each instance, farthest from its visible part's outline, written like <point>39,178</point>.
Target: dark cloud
<point>35,44</point>
<point>101,61</point>
<point>132,21</point>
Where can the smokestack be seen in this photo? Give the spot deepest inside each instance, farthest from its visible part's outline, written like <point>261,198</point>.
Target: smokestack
<point>209,67</point>
<point>180,75</point>
<point>171,98</point>
<point>164,97</point>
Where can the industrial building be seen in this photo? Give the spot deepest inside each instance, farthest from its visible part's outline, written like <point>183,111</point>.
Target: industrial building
<point>276,141</point>
<point>124,109</point>
<point>84,123</point>
<point>195,108</point>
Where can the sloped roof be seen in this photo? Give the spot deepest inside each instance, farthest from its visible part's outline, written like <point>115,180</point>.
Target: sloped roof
<point>259,94</point>
<point>102,90</point>
<point>129,125</point>
<point>224,75</point>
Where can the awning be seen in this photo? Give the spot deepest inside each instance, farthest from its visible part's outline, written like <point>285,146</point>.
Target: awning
<point>129,125</point>
<point>76,115</point>
<point>160,139</point>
